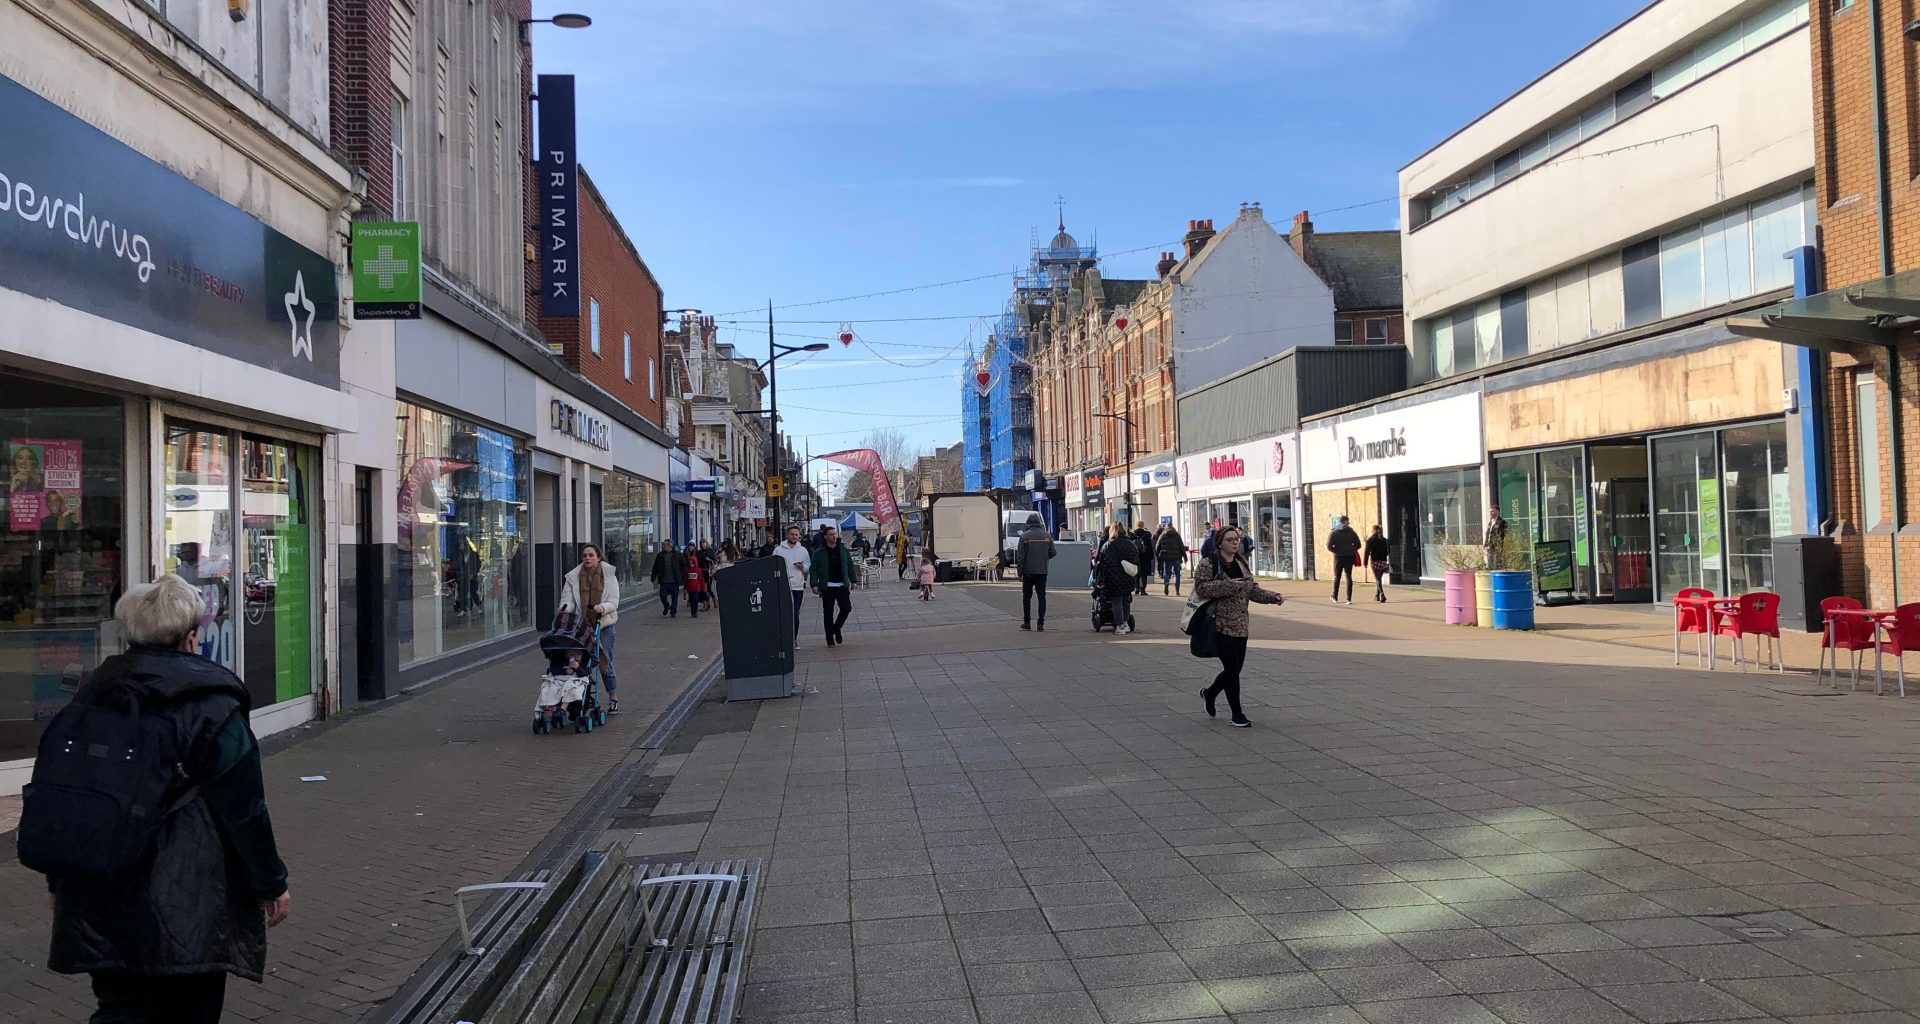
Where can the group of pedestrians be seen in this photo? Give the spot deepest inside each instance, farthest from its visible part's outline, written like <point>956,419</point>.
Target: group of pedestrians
<point>691,570</point>
<point>1349,552</point>
<point>829,571</point>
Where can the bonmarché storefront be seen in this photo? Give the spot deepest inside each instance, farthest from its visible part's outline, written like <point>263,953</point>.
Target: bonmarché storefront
<point>169,389</point>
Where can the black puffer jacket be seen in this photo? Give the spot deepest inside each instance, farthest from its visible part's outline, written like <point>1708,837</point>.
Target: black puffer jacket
<point>1117,550</point>
<point>196,908</point>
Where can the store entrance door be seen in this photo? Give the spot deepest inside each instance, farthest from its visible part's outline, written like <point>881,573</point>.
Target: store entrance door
<point>546,548</point>
<point>1623,524</point>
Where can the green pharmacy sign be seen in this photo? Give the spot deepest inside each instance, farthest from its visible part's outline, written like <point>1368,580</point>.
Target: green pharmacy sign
<point>386,270</point>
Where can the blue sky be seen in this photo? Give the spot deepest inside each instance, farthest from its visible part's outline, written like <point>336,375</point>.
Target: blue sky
<point>804,151</point>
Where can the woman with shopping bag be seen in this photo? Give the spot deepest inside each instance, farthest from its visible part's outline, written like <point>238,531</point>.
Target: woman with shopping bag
<point>1222,587</point>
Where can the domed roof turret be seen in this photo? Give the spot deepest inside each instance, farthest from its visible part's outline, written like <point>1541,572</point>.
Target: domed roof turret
<point>1063,240</point>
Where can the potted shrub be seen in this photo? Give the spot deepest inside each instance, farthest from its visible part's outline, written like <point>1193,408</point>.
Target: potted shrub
<point>1463,562</point>
<point>1508,601</point>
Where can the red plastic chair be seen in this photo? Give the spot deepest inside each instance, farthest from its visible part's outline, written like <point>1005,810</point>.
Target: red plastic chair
<point>1689,618</point>
<point>1758,614</point>
<point>1846,633</point>
<point>1900,636</point>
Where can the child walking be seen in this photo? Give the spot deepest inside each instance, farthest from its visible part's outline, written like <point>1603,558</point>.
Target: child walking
<point>926,575</point>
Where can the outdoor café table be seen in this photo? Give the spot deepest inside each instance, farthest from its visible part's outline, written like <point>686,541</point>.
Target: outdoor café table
<point>1875,617</point>
<point>1707,606</point>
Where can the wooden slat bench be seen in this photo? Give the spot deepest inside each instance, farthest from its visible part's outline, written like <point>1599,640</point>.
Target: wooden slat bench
<point>605,942</point>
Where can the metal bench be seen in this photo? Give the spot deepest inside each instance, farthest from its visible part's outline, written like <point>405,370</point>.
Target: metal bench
<point>605,942</point>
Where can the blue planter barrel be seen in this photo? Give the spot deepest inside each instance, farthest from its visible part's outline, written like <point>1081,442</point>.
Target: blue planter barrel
<point>1512,600</point>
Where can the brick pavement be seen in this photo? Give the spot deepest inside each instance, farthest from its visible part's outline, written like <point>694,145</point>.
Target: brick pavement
<point>441,788</point>
<point>966,822</point>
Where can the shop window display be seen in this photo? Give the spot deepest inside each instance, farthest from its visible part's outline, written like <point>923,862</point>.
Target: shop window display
<point>1451,512</point>
<point>464,532</point>
<point>61,539</point>
<point>632,525</point>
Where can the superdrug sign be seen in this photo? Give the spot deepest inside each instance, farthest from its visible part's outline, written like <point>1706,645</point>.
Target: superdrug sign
<point>1392,446</point>
<point>1226,467</point>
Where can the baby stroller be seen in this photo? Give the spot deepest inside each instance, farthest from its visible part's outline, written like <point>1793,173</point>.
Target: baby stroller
<point>1103,608</point>
<point>567,690</point>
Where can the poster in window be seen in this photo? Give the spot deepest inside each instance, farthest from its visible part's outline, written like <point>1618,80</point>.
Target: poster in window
<point>43,484</point>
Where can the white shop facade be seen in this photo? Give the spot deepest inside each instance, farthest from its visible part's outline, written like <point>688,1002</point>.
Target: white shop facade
<point>1251,485</point>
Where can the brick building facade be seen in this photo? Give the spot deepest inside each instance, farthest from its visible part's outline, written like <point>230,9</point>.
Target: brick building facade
<point>1872,480</point>
<point>621,300</point>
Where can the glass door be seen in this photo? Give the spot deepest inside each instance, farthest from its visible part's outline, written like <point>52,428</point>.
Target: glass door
<point>1563,508</point>
<point>199,529</point>
<point>277,540</point>
<point>1754,482</point>
<point>1686,520</point>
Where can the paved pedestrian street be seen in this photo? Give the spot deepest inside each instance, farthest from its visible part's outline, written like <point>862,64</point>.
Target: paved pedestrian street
<point>966,822</point>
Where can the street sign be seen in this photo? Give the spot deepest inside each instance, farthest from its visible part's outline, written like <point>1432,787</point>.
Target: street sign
<point>776,487</point>
<point>386,270</point>
<point>700,486</point>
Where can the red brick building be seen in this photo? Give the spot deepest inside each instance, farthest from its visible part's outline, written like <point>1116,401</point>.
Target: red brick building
<point>615,341</point>
<point>1867,135</point>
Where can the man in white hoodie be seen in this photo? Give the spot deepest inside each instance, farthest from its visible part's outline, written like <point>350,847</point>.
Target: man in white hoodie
<point>792,552</point>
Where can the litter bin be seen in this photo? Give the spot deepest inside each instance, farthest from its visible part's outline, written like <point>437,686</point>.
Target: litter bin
<point>756,628</point>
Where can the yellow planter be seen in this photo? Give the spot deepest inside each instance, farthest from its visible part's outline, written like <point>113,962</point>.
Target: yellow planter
<point>1483,597</point>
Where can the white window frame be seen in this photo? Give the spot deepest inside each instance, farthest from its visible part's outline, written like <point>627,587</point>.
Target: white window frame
<point>626,355</point>
<point>397,154</point>
<point>1386,331</point>
<point>651,393</point>
<point>593,325</point>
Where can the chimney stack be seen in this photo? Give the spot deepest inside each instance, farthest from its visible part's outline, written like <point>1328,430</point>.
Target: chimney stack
<point>1198,232</point>
<point>1166,265</point>
<point>1301,238</point>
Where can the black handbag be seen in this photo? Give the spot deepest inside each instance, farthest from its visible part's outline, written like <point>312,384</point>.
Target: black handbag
<point>1202,634</point>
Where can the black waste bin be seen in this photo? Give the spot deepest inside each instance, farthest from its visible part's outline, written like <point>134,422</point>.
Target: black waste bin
<point>756,628</point>
<point>1806,571</point>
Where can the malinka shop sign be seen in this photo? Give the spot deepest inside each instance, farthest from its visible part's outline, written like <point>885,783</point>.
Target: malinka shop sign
<point>91,224</point>
<point>386,270</point>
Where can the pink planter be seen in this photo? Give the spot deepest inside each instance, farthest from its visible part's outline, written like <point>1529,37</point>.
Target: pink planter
<point>1462,602</point>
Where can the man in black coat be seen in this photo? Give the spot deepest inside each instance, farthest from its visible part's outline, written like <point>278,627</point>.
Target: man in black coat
<point>1344,544</point>
<point>165,937</point>
<point>669,568</point>
<point>1143,546</point>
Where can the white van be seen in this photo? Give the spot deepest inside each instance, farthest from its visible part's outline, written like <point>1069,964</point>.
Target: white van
<point>1012,525</point>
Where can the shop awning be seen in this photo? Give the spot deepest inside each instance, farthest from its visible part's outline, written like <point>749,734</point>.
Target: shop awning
<point>1841,320</point>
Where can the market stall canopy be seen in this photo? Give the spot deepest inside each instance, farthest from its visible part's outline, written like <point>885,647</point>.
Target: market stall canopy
<point>1840,320</point>
<point>856,521</point>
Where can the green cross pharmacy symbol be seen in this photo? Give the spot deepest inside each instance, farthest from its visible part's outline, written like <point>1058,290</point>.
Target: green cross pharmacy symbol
<point>385,266</point>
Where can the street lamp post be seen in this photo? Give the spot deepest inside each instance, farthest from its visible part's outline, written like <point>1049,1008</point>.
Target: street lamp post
<point>774,351</point>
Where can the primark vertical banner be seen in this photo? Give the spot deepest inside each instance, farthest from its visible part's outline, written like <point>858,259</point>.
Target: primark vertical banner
<point>559,168</point>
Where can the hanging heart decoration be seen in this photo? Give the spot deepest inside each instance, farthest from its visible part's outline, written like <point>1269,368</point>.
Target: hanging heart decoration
<point>1120,322</point>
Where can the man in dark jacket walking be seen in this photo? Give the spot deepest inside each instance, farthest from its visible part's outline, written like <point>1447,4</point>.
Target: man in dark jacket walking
<point>833,575</point>
<point>160,942</point>
<point>669,568</point>
<point>1344,544</point>
<point>1035,552</point>
<point>1171,552</point>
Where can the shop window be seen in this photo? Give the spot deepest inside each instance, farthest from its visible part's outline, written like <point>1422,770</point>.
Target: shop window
<point>1513,324</point>
<point>1758,507</point>
<point>1640,282</point>
<point>1681,290</point>
<point>1866,449</point>
<point>61,545</point>
<point>1686,513</point>
<point>1451,513</point>
<point>464,533</point>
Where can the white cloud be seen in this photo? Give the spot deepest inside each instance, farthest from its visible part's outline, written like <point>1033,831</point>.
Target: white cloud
<point>987,181</point>
<point>776,54</point>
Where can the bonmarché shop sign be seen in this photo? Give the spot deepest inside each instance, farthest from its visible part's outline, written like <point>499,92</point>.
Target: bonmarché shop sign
<point>89,223</point>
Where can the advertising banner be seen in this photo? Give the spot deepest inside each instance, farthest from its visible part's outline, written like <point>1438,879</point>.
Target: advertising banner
<point>43,484</point>
<point>1710,525</point>
<point>866,460</point>
<point>1553,565</point>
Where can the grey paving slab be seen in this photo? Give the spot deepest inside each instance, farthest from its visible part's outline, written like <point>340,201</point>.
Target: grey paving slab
<point>979,824</point>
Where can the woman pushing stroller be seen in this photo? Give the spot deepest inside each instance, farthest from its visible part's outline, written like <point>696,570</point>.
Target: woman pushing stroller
<point>592,591</point>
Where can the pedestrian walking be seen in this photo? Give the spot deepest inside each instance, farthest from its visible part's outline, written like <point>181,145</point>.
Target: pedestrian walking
<point>795,555</point>
<point>592,590</point>
<point>1379,554</point>
<point>1171,552</point>
<point>925,574</point>
<point>669,567</point>
<point>1035,554</point>
<point>1226,582</point>
<point>833,575</point>
<point>696,578</point>
<point>1118,565</point>
<point>161,904</point>
<point>1143,545</point>
<point>1345,546</point>
<point>1206,543</point>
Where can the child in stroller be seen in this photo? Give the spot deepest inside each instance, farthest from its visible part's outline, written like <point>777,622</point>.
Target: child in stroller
<point>1103,607</point>
<point>567,691</point>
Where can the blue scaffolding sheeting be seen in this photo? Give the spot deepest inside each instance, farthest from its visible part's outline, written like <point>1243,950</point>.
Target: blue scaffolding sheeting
<point>1010,400</point>
<point>974,458</point>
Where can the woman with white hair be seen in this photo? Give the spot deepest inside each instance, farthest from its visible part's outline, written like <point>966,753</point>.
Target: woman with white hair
<point>161,933</point>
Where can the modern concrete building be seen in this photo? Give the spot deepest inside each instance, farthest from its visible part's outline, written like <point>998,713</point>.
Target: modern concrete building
<point>1572,257</point>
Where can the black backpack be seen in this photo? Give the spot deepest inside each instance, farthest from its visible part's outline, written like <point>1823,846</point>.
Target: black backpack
<point>101,788</point>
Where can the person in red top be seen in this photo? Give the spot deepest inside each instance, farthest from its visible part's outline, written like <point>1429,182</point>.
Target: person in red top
<point>696,585</point>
